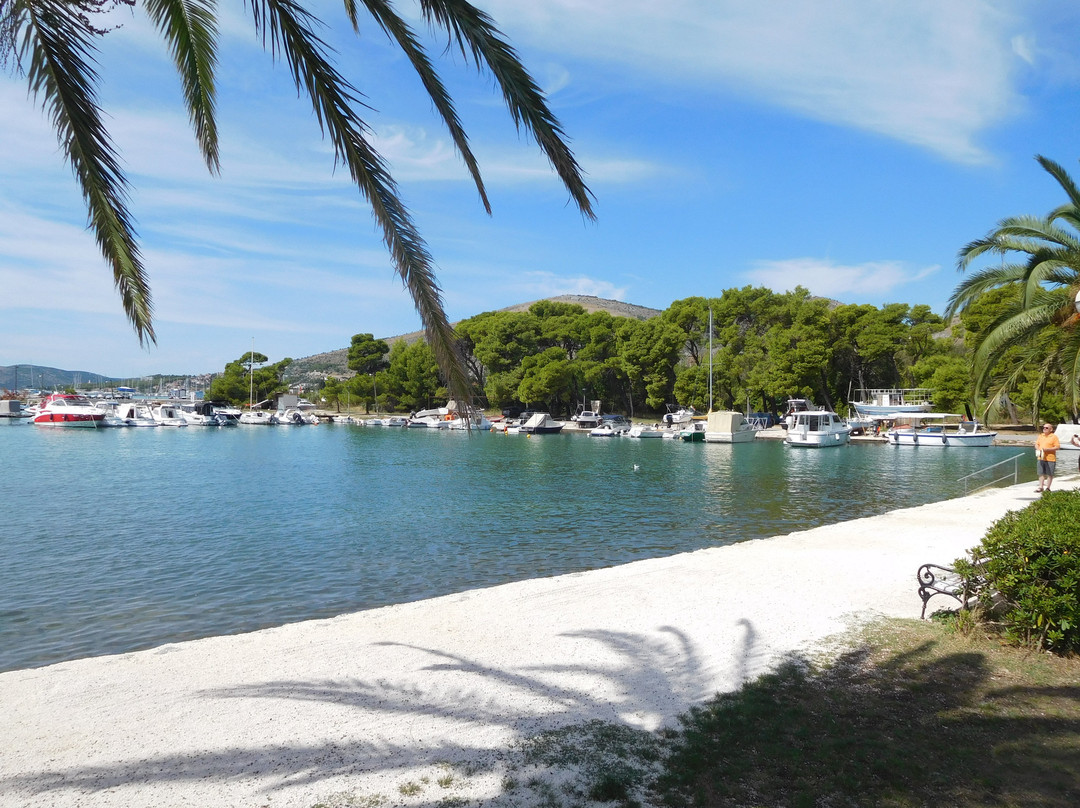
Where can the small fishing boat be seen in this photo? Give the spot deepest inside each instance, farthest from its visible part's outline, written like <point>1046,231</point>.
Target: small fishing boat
<point>944,429</point>
<point>645,431</point>
<point>694,432</point>
<point>611,426</point>
<point>135,413</point>
<point>168,415</point>
<point>541,423</point>
<point>817,429</point>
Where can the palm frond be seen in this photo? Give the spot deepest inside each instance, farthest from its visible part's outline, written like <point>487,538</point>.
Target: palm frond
<point>60,50</point>
<point>1015,328</point>
<point>190,29</point>
<point>287,27</point>
<point>979,283</point>
<point>396,28</point>
<point>1056,171</point>
<point>476,37</point>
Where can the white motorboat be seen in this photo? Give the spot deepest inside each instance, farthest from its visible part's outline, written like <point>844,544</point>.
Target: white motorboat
<point>586,419</point>
<point>679,418</point>
<point>136,414</point>
<point>168,415</point>
<point>295,416</point>
<point>816,429</point>
<point>111,419</point>
<point>434,418</point>
<point>793,407</point>
<point>259,417</point>
<point>943,429</point>
<point>645,431</point>
<point>611,426</point>
<point>541,423</point>
<point>884,401</point>
<point>727,426</point>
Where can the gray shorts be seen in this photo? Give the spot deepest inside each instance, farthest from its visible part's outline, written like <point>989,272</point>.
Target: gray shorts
<point>1046,468</point>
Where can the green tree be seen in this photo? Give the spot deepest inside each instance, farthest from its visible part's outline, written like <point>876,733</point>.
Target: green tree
<point>367,354</point>
<point>55,41</point>
<point>412,378</point>
<point>242,383</point>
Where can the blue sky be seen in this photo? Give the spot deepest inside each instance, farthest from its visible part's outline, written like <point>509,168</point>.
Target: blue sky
<point>849,147</point>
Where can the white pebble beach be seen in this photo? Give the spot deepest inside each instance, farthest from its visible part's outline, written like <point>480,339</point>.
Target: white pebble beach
<point>432,694</point>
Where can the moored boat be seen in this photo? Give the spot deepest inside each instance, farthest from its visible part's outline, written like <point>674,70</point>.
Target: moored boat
<point>135,413</point>
<point>727,426</point>
<point>611,426</point>
<point>817,429</point>
<point>883,401</point>
<point>67,410</point>
<point>945,429</point>
<point>541,423</point>
<point>167,414</point>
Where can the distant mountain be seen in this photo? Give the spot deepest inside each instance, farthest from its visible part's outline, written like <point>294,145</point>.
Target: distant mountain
<point>15,377</point>
<point>313,369</point>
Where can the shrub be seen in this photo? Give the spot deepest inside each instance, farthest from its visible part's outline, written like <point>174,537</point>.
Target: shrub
<point>1027,571</point>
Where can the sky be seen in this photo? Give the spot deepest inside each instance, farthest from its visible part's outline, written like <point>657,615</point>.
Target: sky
<point>848,147</point>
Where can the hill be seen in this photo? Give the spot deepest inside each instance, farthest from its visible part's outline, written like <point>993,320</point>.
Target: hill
<point>14,377</point>
<point>313,369</point>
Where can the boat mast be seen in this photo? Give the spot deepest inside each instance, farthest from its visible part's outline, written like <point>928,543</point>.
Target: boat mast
<point>251,375</point>
<point>710,358</point>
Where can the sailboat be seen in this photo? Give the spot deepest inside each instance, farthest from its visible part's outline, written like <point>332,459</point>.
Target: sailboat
<point>725,426</point>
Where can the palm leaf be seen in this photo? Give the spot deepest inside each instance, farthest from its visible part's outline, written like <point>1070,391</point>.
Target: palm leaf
<point>476,37</point>
<point>287,28</point>
<point>60,50</point>
<point>190,28</point>
<point>399,31</point>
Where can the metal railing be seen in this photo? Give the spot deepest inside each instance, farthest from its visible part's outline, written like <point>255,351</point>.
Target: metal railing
<point>1015,474</point>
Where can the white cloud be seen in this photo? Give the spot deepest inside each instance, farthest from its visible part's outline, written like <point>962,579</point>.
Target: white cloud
<point>873,280</point>
<point>928,73</point>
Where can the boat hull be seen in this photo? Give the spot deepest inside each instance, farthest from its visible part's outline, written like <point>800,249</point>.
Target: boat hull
<point>941,440</point>
<point>818,441</point>
<point>742,436</point>
<point>67,419</point>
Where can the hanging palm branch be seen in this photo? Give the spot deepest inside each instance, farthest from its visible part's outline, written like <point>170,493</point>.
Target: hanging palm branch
<point>54,41</point>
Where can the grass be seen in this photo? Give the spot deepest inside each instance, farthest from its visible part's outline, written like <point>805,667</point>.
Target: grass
<point>916,715</point>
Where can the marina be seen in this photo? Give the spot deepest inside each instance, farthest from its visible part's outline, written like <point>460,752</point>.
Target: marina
<point>122,539</point>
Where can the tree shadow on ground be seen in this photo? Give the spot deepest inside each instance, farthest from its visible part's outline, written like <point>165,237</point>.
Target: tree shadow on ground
<point>921,727</point>
<point>654,674</point>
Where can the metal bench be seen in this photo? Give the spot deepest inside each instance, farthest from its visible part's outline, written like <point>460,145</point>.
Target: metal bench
<point>935,579</point>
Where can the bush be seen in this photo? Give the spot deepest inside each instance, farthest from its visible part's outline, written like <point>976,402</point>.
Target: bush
<point>1027,572</point>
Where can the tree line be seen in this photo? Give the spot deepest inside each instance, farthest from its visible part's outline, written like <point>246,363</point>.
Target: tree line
<point>766,347</point>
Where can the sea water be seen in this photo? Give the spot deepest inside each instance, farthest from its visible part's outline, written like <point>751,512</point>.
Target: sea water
<point>113,540</point>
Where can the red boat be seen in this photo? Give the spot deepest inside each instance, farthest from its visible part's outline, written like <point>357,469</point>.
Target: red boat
<point>64,409</point>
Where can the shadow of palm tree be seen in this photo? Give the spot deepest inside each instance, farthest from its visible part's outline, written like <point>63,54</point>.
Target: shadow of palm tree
<point>915,729</point>
<point>620,677</point>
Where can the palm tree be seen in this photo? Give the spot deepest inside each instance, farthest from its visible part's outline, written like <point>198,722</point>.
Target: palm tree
<point>53,41</point>
<point>1037,327</point>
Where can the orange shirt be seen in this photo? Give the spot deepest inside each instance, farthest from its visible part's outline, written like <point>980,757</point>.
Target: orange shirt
<point>1049,445</point>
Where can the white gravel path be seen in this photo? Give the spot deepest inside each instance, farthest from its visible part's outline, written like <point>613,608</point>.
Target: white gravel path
<point>428,696</point>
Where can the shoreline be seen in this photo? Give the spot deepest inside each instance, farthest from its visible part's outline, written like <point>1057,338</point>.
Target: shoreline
<point>366,702</point>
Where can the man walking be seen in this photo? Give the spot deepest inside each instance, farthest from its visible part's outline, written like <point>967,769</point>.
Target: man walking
<point>1046,447</point>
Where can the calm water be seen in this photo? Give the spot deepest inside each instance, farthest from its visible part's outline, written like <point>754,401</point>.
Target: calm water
<point>118,539</point>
